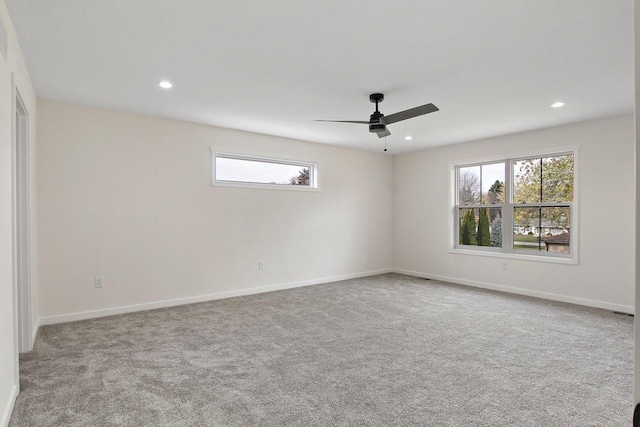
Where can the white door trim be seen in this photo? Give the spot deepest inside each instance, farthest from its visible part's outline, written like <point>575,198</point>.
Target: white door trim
<point>21,223</point>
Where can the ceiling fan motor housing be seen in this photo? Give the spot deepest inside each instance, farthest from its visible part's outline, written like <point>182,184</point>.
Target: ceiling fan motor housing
<point>376,122</point>
<point>377,127</point>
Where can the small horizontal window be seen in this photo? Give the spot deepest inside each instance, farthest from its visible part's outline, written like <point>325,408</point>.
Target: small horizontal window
<point>256,171</point>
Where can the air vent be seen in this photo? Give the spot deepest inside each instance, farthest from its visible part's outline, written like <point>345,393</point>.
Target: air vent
<point>4,45</point>
<point>622,314</point>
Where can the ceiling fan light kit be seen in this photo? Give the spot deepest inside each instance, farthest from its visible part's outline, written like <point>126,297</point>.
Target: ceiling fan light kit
<point>378,122</point>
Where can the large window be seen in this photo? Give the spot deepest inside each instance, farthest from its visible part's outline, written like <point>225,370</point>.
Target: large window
<point>520,206</point>
<point>231,169</point>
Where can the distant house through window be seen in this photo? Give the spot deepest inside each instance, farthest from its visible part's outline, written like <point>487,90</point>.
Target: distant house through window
<point>231,169</point>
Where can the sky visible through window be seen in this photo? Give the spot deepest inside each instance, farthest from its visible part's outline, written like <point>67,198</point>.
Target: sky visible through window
<point>491,174</point>
<point>261,172</point>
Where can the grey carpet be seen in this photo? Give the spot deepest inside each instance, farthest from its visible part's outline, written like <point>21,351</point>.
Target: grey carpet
<point>388,350</point>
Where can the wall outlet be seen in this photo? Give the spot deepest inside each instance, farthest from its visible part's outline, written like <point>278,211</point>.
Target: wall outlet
<point>260,265</point>
<point>505,265</point>
<point>98,281</point>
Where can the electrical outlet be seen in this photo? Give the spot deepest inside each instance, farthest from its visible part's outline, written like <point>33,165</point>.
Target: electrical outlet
<point>260,265</point>
<point>505,265</point>
<point>98,281</point>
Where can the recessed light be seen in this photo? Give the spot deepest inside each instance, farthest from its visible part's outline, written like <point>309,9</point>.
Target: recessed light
<point>408,138</point>
<point>165,84</point>
<point>557,104</point>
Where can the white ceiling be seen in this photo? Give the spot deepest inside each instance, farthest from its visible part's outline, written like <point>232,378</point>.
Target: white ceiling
<point>492,67</point>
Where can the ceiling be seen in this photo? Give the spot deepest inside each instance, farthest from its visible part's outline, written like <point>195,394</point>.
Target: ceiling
<point>493,67</point>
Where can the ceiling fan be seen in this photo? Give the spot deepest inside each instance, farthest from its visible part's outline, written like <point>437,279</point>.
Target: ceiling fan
<point>378,121</point>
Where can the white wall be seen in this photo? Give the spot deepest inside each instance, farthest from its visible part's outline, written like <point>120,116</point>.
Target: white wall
<point>636,366</point>
<point>129,198</point>
<point>13,73</point>
<point>605,274</point>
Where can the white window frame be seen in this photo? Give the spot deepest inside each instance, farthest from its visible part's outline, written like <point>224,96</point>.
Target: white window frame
<point>507,250</point>
<point>314,182</point>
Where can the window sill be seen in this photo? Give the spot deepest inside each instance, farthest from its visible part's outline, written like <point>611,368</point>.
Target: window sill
<point>514,255</point>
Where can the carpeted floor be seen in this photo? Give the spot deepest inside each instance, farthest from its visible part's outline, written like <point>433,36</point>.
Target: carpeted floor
<point>388,350</point>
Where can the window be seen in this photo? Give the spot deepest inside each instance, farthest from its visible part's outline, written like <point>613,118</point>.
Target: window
<point>520,206</point>
<point>231,169</point>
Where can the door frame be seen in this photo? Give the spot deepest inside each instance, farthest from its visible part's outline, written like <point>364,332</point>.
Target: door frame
<point>21,223</point>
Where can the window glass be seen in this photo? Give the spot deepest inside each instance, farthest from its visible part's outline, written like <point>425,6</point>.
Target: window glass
<point>543,180</point>
<point>557,179</point>
<point>469,185</point>
<point>480,227</point>
<point>259,171</point>
<point>556,228</point>
<point>526,230</point>
<point>493,183</point>
<point>468,220</point>
<point>526,181</point>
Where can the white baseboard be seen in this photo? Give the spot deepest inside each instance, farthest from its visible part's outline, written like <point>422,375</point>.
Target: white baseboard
<point>509,289</point>
<point>50,320</point>
<point>8,406</point>
<point>71,317</point>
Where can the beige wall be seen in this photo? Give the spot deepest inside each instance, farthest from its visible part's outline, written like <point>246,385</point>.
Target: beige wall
<point>13,75</point>
<point>636,366</point>
<point>605,274</point>
<point>129,198</point>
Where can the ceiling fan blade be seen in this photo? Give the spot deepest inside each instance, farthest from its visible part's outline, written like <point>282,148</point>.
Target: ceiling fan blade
<point>383,133</point>
<point>343,121</point>
<point>411,113</point>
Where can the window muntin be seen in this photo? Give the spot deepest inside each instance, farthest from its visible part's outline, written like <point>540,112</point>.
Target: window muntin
<point>535,201</point>
<point>255,171</point>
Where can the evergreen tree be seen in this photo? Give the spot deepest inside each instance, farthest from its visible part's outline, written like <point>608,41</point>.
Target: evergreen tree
<point>496,232</point>
<point>465,235</point>
<point>483,237</point>
<point>468,228</point>
<point>495,194</point>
